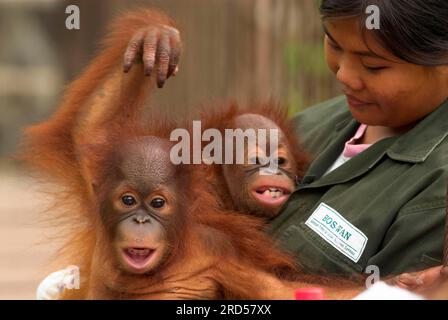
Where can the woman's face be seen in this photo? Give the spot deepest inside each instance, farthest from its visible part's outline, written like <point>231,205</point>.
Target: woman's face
<point>381,90</point>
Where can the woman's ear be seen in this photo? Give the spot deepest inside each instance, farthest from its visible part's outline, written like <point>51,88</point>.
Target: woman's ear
<point>442,74</point>
<point>445,76</point>
<point>444,70</point>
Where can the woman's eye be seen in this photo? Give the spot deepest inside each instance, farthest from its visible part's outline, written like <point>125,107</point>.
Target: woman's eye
<point>157,203</point>
<point>333,45</point>
<point>128,200</point>
<point>373,69</point>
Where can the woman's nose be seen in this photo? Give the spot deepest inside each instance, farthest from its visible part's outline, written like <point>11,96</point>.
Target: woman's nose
<point>349,78</point>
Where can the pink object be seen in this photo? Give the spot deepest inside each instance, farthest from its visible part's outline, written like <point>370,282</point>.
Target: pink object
<point>351,148</point>
<point>309,294</point>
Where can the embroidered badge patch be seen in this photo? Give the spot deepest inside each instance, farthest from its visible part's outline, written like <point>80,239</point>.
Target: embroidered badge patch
<point>337,231</point>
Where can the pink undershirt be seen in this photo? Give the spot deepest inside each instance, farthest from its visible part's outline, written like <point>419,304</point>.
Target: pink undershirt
<point>351,149</point>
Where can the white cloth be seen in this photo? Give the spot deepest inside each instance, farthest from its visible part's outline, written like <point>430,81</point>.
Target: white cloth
<point>339,162</point>
<point>52,287</point>
<point>383,291</point>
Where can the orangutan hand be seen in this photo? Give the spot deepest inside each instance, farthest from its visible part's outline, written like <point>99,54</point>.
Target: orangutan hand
<point>157,46</point>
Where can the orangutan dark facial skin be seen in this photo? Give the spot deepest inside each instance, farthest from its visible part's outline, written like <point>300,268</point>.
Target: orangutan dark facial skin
<point>261,194</point>
<point>141,206</point>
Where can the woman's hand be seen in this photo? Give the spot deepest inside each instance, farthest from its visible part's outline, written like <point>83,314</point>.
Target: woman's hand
<point>157,46</point>
<point>421,281</point>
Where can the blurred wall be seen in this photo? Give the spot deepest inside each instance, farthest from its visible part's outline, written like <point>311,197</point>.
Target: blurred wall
<point>248,50</point>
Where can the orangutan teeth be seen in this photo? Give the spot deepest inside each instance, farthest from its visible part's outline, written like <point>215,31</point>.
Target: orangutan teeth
<point>138,252</point>
<point>274,193</point>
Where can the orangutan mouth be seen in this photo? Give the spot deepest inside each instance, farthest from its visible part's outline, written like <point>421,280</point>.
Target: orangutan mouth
<point>138,257</point>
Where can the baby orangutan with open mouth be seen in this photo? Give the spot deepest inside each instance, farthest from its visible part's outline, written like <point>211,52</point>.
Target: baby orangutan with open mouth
<point>272,167</point>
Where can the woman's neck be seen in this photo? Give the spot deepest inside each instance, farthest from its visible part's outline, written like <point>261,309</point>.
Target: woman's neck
<point>374,134</point>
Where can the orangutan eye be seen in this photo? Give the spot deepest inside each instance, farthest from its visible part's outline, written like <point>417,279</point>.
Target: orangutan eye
<point>157,203</point>
<point>281,161</point>
<point>128,200</point>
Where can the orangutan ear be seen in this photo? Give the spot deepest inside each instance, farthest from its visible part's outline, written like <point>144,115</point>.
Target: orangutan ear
<point>94,187</point>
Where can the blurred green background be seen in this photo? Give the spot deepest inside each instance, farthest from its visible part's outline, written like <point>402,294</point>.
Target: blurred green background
<point>247,50</point>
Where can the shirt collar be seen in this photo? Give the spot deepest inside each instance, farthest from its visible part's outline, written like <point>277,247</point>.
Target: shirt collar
<point>417,144</point>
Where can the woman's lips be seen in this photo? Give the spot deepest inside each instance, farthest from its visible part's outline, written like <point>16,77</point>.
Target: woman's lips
<point>356,103</point>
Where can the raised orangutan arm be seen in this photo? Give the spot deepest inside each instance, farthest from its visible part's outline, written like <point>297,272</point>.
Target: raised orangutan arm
<point>98,98</point>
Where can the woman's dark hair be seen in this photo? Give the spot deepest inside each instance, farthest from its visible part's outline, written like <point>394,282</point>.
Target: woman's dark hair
<point>413,30</point>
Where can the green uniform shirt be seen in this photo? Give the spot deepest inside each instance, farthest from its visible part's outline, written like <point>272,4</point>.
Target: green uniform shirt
<point>383,207</point>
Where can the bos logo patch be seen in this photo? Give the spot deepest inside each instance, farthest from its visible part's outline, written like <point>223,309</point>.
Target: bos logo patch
<point>337,231</point>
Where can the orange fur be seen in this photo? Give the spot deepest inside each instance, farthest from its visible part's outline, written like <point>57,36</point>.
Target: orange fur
<point>57,149</point>
<point>75,148</point>
<point>219,253</point>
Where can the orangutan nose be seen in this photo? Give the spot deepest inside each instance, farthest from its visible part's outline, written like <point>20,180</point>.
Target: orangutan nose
<point>141,218</point>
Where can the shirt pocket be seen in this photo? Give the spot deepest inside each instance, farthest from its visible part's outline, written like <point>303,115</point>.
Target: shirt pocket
<point>315,254</point>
